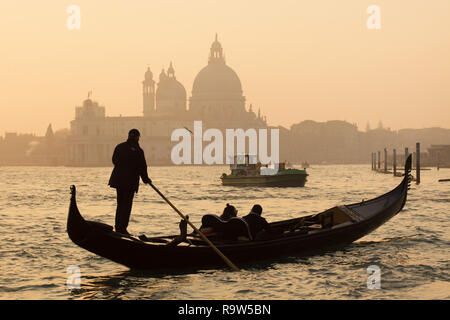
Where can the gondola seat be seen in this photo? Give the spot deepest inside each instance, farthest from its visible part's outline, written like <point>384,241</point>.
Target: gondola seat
<point>233,229</point>
<point>212,225</point>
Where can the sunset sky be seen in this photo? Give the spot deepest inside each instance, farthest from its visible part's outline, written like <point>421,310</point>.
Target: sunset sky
<point>297,60</point>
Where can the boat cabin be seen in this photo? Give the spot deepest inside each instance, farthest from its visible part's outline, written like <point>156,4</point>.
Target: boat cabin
<point>248,165</point>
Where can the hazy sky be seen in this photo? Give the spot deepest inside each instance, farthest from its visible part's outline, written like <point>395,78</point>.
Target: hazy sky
<point>297,60</point>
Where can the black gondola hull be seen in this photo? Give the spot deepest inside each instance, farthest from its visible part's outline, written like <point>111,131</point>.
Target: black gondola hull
<point>137,254</point>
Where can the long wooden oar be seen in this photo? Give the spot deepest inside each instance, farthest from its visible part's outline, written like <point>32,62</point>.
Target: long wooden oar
<point>230,264</point>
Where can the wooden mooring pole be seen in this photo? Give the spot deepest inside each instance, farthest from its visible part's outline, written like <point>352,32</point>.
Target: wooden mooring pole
<point>394,162</point>
<point>379,160</point>
<point>385,160</point>
<point>373,160</point>
<point>418,163</point>
<point>438,158</point>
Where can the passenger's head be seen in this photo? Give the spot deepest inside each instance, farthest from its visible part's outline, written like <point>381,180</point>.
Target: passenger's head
<point>229,212</point>
<point>134,134</point>
<point>257,209</point>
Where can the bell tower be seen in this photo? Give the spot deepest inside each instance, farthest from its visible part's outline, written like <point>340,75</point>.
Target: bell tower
<point>148,92</point>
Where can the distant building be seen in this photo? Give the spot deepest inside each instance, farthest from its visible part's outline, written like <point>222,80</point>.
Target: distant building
<point>16,149</point>
<point>217,100</point>
<point>325,142</point>
<point>52,149</point>
<point>32,150</point>
<point>439,155</point>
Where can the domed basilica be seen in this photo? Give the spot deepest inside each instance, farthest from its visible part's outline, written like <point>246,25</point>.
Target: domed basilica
<point>217,95</point>
<point>217,100</point>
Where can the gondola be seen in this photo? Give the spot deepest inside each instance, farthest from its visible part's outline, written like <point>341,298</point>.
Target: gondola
<point>335,227</point>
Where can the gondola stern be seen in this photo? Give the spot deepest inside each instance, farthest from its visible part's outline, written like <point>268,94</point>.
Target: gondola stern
<point>77,227</point>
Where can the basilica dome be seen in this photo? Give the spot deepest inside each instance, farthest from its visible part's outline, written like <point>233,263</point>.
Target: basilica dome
<point>217,78</point>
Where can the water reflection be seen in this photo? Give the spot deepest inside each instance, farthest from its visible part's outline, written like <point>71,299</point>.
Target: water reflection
<point>122,285</point>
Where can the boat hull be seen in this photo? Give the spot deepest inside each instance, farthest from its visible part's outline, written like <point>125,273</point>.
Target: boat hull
<point>292,180</point>
<point>136,254</point>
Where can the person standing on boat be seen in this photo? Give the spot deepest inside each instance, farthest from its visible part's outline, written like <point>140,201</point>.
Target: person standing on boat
<point>129,164</point>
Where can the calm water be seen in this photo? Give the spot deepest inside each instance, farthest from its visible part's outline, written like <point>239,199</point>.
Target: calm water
<point>412,249</point>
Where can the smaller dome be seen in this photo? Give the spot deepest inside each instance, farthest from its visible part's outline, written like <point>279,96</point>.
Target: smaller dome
<point>169,87</point>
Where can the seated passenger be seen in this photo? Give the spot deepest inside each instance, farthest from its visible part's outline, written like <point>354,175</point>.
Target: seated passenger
<point>255,222</point>
<point>228,213</point>
<point>213,225</point>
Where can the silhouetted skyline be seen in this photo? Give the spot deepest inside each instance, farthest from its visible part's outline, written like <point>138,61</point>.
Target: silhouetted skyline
<point>297,61</point>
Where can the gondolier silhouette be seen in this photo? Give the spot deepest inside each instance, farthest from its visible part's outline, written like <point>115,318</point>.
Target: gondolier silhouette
<point>129,164</point>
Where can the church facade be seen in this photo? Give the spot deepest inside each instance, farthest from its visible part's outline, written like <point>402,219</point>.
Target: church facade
<point>217,100</point>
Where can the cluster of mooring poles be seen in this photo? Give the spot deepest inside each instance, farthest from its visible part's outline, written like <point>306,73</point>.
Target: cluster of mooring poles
<point>376,162</point>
